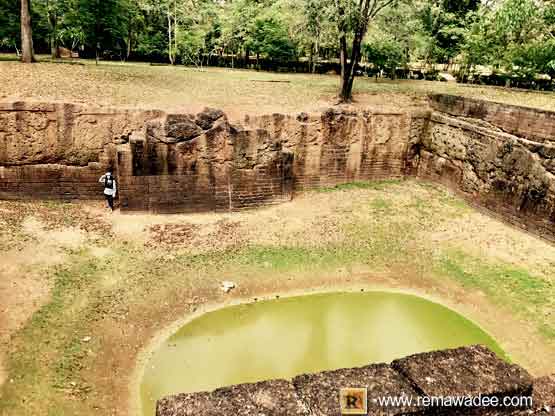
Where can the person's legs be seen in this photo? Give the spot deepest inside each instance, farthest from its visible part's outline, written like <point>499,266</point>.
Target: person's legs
<point>110,200</point>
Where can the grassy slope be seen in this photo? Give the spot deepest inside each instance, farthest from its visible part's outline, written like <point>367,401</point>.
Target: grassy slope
<point>236,91</point>
<point>379,234</point>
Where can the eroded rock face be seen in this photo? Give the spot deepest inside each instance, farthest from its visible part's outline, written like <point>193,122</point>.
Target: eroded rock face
<point>199,162</point>
<point>528,123</point>
<point>467,147</point>
<point>500,158</point>
<point>66,134</point>
<point>58,151</point>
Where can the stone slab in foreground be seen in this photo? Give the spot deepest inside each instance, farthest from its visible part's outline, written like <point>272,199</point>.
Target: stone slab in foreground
<point>320,391</point>
<point>269,398</point>
<point>470,371</point>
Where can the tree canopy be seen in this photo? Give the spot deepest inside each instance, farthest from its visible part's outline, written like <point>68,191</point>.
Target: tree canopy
<point>515,38</point>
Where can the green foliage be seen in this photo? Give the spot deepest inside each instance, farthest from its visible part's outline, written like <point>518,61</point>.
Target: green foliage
<point>103,24</point>
<point>9,24</point>
<point>443,27</point>
<point>71,37</point>
<point>269,38</point>
<point>385,52</point>
<point>515,38</point>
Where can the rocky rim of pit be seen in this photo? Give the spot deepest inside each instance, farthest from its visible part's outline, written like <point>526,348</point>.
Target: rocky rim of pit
<point>458,373</point>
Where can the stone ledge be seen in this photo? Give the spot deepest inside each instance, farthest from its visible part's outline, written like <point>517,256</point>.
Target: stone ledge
<point>531,123</point>
<point>320,391</point>
<point>441,373</point>
<point>275,397</point>
<point>468,371</point>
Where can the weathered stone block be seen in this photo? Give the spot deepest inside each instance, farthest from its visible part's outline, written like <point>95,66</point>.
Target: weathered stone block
<point>544,394</point>
<point>321,391</point>
<point>269,398</point>
<point>526,122</point>
<point>468,371</point>
<point>180,127</point>
<point>205,120</point>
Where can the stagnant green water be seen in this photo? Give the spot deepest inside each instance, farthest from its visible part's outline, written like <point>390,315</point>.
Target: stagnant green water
<point>286,337</point>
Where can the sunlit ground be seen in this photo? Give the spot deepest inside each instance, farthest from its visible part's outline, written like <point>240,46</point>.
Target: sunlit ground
<point>235,91</point>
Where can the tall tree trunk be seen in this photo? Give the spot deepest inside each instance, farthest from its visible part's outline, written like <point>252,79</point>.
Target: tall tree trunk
<point>170,41</point>
<point>175,30</point>
<point>344,91</point>
<point>367,10</point>
<point>129,40</point>
<point>350,73</point>
<point>129,37</point>
<point>28,53</point>
<point>316,53</point>
<point>97,31</point>
<point>54,47</point>
<point>311,58</point>
<point>344,94</point>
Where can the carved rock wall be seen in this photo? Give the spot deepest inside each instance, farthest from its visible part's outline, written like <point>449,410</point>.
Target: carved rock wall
<point>500,158</point>
<point>58,151</point>
<point>466,146</point>
<point>185,162</point>
<point>181,163</point>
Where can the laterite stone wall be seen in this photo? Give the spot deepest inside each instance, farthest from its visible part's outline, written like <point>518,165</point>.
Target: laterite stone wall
<point>472,147</point>
<point>500,158</point>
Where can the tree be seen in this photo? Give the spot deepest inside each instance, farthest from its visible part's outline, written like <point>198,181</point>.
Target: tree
<point>385,52</point>
<point>314,23</point>
<point>9,24</point>
<point>134,23</point>
<point>515,38</point>
<point>353,20</point>
<point>269,38</point>
<point>50,12</point>
<point>444,25</point>
<point>104,24</point>
<point>395,38</point>
<point>238,19</point>
<point>199,28</point>
<point>71,37</point>
<point>27,51</point>
<point>173,12</point>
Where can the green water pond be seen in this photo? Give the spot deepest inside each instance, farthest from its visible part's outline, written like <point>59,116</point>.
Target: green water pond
<point>286,337</point>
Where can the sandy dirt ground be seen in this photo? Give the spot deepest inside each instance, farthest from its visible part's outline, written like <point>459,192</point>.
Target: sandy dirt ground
<point>74,272</point>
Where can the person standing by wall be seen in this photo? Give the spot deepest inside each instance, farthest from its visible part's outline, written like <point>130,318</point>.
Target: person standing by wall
<point>110,188</point>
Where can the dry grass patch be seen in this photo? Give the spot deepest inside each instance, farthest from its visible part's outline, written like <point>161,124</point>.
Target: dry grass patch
<point>238,92</point>
<point>75,351</point>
